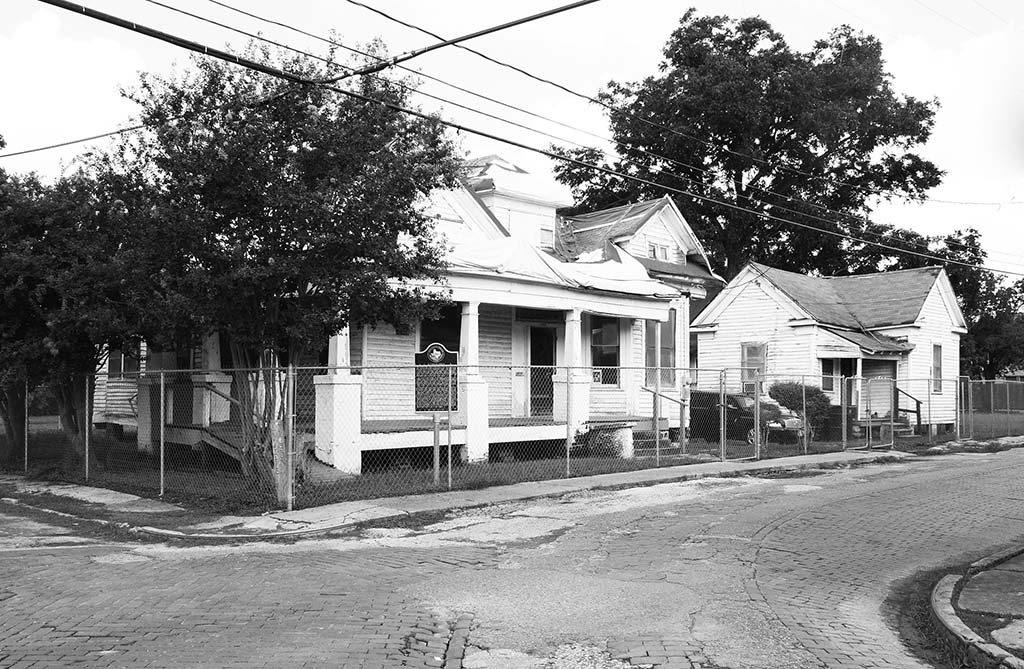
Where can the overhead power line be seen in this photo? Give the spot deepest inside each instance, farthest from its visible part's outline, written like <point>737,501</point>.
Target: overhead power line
<point>473,110</point>
<point>625,112</point>
<point>294,78</point>
<point>287,76</point>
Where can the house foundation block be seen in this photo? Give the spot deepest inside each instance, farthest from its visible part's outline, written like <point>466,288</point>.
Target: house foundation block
<point>473,413</point>
<point>339,401</point>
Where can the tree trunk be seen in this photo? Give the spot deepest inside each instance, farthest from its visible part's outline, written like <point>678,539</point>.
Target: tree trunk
<point>75,419</point>
<point>257,387</point>
<point>12,411</point>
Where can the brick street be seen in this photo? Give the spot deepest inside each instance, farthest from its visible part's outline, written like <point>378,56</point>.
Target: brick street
<point>788,572</point>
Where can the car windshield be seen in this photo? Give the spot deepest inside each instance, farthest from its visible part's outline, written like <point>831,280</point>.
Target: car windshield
<point>745,402</point>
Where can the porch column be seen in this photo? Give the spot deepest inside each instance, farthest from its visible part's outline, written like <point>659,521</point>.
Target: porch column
<point>577,411</point>
<point>339,401</point>
<point>473,407</point>
<point>209,407</point>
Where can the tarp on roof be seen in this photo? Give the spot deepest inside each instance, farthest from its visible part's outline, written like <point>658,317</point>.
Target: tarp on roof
<point>516,259</point>
<point>873,343</point>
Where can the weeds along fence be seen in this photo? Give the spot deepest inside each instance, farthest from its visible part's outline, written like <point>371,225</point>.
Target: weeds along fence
<point>298,437</point>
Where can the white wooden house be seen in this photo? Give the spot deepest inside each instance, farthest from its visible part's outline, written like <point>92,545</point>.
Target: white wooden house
<point>554,322</point>
<point>902,325</point>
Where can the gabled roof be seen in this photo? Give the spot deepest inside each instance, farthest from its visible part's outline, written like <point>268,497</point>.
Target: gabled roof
<point>860,301</point>
<point>585,233</point>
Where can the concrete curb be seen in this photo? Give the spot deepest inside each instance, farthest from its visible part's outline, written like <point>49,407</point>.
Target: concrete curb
<point>562,487</point>
<point>963,642</point>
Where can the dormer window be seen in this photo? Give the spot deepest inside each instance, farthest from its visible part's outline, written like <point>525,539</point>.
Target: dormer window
<point>657,251</point>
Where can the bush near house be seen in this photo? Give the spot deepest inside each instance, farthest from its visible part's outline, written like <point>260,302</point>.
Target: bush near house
<point>791,395</point>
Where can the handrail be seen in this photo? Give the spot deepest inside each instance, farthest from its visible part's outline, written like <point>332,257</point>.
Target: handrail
<point>210,387</point>
<point>900,390</point>
<point>662,395</point>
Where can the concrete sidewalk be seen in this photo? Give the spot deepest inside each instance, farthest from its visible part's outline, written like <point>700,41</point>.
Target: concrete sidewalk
<point>334,516</point>
<point>981,614</point>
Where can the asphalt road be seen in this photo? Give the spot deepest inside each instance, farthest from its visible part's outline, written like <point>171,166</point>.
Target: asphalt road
<point>718,573</point>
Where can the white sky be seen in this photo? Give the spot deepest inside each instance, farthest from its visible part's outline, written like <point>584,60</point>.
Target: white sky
<point>62,73</point>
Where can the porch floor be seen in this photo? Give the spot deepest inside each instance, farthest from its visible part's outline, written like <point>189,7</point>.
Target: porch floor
<point>392,426</point>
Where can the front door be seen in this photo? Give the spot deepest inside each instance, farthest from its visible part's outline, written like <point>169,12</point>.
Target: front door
<point>542,368</point>
<point>878,388</point>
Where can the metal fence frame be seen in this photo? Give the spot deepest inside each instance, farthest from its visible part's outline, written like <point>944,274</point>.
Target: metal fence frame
<point>658,427</point>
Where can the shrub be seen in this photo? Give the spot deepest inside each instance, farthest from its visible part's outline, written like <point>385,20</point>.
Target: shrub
<point>790,394</point>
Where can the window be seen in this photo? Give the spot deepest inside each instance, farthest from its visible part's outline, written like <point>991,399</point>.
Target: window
<point>752,362</point>
<point>547,238</point>
<point>657,251</point>
<point>604,349</point>
<point>120,364</point>
<point>694,356</point>
<point>936,368</point>
<point>828,375</point>
<point>666,357</point>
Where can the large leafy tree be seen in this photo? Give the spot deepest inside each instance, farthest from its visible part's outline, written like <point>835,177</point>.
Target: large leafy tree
<point>284,213</point>
<point>735,115</point>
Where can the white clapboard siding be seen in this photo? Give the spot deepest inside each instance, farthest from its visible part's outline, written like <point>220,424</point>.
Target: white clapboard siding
<point>496,357</point>
<point>607,400</point>
<point>935,327</point>
<point>754,316</point>
<point>655,232</point>
<point>355,347</point>
<point>388,377</point>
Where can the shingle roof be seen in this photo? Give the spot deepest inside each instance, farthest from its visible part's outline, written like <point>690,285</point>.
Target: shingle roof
<point>860,301</point>
<point>590,231</point>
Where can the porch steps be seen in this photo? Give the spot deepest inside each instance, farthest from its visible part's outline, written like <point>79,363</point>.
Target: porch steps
<point>225,437</point>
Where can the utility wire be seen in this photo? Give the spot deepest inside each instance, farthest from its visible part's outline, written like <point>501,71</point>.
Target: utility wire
<point>294,78</point>
<point>534,130</point>
<point>193,46</point>
<point>946,18</point>
<point>627,113</point>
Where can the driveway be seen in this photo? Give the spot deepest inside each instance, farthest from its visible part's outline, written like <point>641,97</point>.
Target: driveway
<point>714,573</point>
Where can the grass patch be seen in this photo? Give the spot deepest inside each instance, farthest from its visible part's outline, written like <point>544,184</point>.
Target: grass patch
<point>908,612</point>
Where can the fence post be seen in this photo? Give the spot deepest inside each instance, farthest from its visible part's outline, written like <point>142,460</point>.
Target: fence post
<point>992,408</point>
<point>842,406</point>
<point>757,414</point>
<point>289,436</point>
<point>449,427</point>
<point>970,406</point>
<point>958,400</point>
<point>867,411</point>
<point>87,423</point>
<point>1006,384</point>
<point>568,416</point>
<point>163,421</point>
<point>656,409</point>
<point>684,402</point>
<point>807,427</point>
<point>893,404</point>
<point>931,386</point>
<point>26,426</point>
<point>721,412</point>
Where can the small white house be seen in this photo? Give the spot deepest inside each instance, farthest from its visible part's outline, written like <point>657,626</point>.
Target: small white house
<point>904,325</point>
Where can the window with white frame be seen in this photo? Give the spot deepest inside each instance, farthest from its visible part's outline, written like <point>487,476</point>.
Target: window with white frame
<point>752,358</point>
<point>936,368</point>
<point>121,364</point>
<point>665,356</point>
<point>604,349</point>
<point>828,374</point>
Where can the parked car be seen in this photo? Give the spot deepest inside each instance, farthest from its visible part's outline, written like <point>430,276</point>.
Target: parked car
<point>777,422</point>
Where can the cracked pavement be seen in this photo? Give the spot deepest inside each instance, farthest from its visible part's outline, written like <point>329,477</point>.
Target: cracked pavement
<point>739,572</point>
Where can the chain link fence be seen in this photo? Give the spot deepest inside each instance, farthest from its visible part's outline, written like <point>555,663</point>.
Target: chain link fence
<point>299,437</point>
